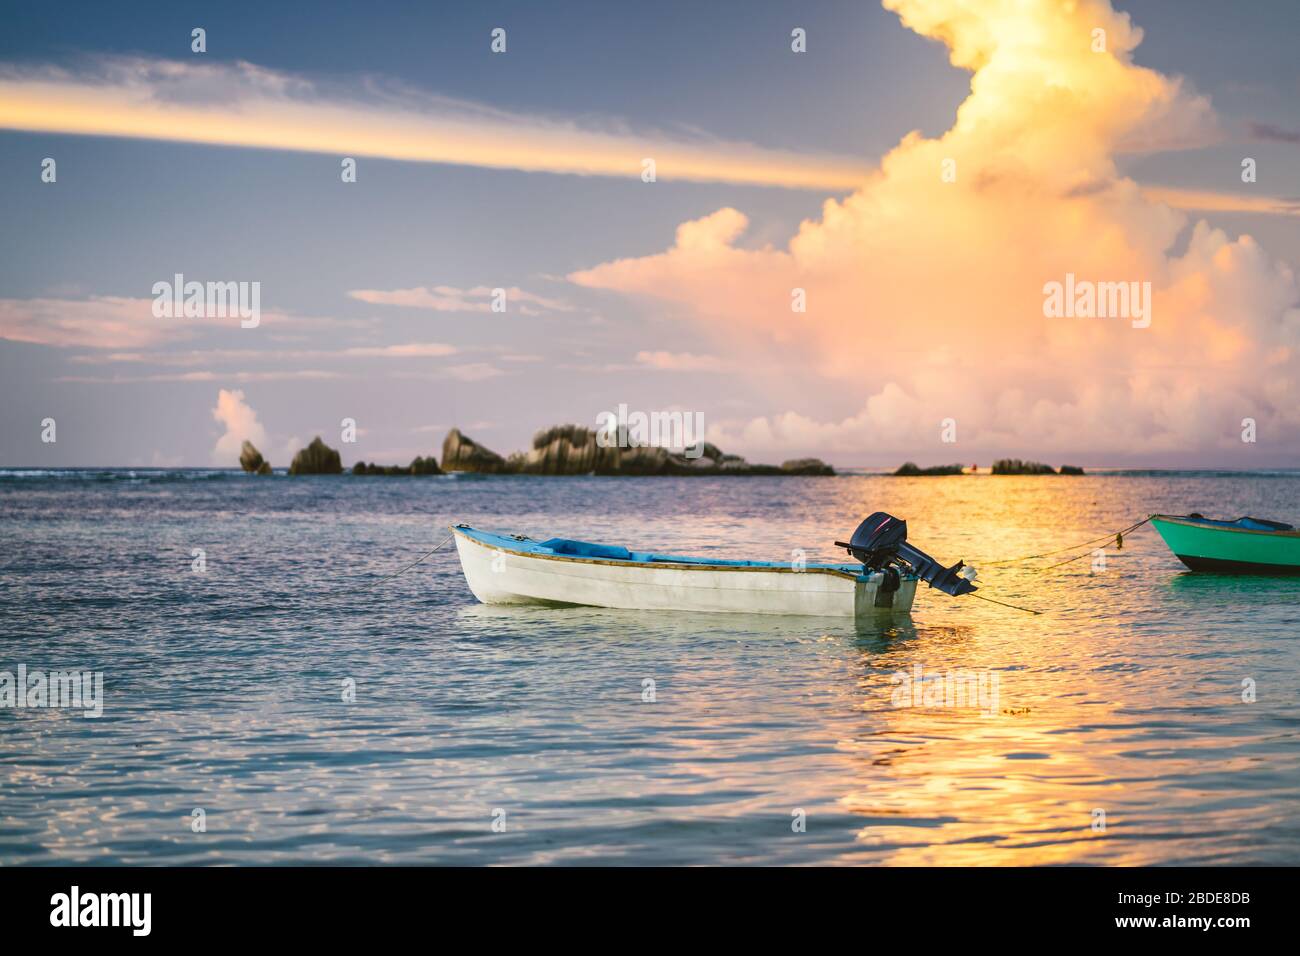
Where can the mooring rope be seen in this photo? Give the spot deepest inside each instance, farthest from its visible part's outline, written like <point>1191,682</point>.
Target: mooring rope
<point>400,571</point>
<point>1119,543</point>
<point>437,547</point>
<point>1118,536</point>
<point>1014,607</point>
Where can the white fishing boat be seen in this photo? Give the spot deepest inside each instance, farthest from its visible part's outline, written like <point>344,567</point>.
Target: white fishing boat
<point>516,569</point>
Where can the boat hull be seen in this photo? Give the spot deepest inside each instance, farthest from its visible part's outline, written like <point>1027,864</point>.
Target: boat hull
<point>1230,550</point>
<point>498,574</point>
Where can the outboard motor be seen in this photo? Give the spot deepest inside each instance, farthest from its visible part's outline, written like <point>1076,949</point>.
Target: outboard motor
<point>880,543</point>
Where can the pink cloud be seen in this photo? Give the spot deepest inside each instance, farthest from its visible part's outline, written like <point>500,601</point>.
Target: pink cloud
<point>240,424</point>
<point>123,322</point>
<point>445,298</point>
<point>924,289</point>
<point>680,361</point>
<point>100,322</point>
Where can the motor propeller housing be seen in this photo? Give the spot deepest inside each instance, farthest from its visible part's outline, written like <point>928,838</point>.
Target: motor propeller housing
<point>880,543</point>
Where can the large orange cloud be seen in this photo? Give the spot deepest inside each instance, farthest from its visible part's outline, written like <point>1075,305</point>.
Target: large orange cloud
<point>926,295</point>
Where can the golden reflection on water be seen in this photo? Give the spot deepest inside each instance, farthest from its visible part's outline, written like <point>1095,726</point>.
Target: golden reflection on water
<point>1119,699</point>
<point>1124,695</point>
<point>967,788</point>
<point>1110,701</point>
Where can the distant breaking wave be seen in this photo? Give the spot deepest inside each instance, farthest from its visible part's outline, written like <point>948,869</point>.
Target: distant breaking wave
<point>120,474</point>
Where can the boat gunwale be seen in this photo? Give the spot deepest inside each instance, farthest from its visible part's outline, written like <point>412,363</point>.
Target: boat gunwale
<point>665,565</point>
<point>1187,522</point>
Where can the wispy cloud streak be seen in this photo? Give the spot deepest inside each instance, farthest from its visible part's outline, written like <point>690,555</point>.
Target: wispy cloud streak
<point>244,105</point>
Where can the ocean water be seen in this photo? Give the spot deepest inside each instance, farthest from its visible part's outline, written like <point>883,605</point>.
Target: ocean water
<point>1121,703</point>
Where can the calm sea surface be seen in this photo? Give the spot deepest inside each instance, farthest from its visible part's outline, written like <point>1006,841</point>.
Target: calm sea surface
<point>224,688</point>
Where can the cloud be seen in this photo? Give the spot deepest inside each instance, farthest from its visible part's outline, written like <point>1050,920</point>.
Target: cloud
<point>99,322</point>
<point>123,322</point>
<point>925,296</point>
<point>1200,200</point>
<point>401,350</point>
<point>285,375</point>
<point>466,372</point>
<point>679,361</point>
<point>1274,134</point>
<point>240,423</point>
<point>405,350</point>
<point>240,104</point>
<point>473,372</point>
<point>702,259</point>
<point>445,298</point>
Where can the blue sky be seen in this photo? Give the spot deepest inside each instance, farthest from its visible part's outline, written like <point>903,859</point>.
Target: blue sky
<point>126,213</point>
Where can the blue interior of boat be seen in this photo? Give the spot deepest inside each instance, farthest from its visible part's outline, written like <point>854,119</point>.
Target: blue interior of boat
<point>611,552</point>
<point>1250,524</point>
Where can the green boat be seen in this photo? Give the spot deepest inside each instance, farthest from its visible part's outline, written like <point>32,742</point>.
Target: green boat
<point>1244,546</point>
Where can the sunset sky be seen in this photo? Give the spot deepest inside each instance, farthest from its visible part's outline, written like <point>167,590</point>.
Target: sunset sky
<point>821,171</point>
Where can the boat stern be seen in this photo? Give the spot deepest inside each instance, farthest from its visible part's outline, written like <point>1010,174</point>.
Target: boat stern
<point>871,598</point>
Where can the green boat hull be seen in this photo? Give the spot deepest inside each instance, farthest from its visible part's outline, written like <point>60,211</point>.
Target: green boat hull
<point>1229,550</point>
